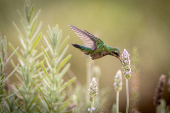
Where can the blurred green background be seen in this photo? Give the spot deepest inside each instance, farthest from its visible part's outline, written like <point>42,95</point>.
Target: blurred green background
<point>122,24</point>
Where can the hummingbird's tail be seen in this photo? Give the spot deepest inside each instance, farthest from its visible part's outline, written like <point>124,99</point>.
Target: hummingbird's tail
<point>85,50</point>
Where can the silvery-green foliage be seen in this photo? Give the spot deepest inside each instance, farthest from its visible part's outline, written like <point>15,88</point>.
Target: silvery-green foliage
<point>3,77</point>
<point>53,96</point>
<point>81,98</point>
<point>27,72</point>
<point>11,104</point>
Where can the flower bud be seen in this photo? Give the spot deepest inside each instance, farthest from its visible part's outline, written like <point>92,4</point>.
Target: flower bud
<point>118,81</point>
<point>93,89</point>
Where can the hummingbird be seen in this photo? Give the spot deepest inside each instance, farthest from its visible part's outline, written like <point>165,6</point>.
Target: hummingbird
<point>95,47</point>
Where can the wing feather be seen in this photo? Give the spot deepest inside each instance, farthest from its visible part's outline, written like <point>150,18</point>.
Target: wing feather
<point>97,39</point>
<point>85,37</point>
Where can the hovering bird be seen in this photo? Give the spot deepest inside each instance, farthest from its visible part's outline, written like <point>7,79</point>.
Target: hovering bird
<point>95,47</point>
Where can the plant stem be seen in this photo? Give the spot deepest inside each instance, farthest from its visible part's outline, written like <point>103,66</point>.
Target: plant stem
<point>117,102</point>
<point>92,103</point>
<point>127,96</point>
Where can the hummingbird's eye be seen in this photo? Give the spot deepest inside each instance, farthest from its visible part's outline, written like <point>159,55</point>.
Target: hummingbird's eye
<point>116,53</point>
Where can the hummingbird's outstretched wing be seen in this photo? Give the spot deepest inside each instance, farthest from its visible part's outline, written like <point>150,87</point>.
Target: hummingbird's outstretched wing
<point>96,38</point>
<point>89,39</point>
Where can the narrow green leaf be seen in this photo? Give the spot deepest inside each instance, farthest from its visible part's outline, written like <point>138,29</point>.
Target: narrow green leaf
<point>37,13</point>
<point>24,26</point>
<point>39,110</point>
<point>32,101</point>
<point>62,63</point>
<point>44,98</point>
<point>41,62</point>
<point>22,42</point>
<point>1,70</point>
<point>18,29</point>
<point>10,95</point>
<point>32,27</point>
<point>49,37</point>
<point>33,81</point>
<point>39,71</point>
<point>36,41</point>
<point>64,105</point>
<point>2,50</point>
<point>50,48</point>
<point>46,73</point>
<point>45,80</point>
<point>44,103</point>
<point>19,79</point>
<point>67,83</point>
<point>36,32</point>
<point>40,54</point>
<point>11,73</point>
<point>46,55</point>
<point>20,92</point>
<point>32,9</point>
<point>21,62</point>
<point>19,108</point>
<point>57,30</point>
<point>11,46</point>
<point>27,11</point>
<point>63,102</point>
<point>50,31</point>
<point>19,70</point>
<point>47,84</point>
<point>64,71</point>
<point>7,106</point>
<point>22,51</point>
<point>48,64</point>
<point>5,42</point>
<point>13,64</point>
<point>12,54</point>
<point>22,19</point>
<point>62,54</point>
<point>63,44</point>
<point>39,80</point>
<point>59,35</point>
<point>1,87</point>
<point>2,80</point>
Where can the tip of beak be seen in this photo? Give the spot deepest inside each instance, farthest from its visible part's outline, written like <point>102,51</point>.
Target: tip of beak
<point>119,59</point>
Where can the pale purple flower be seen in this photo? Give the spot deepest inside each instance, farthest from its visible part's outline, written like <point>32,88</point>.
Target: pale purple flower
<point>93,89</point>
<point>128,72</point>
<point>115,84</point>
<point>125,61</point>
<point>93,108</point>
<point>117,76</point>
<point>126,64</point>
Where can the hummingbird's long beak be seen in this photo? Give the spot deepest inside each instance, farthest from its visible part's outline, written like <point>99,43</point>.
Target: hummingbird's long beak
<point>119,59</point>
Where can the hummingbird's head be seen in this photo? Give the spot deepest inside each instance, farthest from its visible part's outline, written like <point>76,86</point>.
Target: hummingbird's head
<point>115,52</point>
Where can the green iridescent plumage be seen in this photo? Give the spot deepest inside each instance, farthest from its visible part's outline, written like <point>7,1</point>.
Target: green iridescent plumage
<point>95,47</point>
